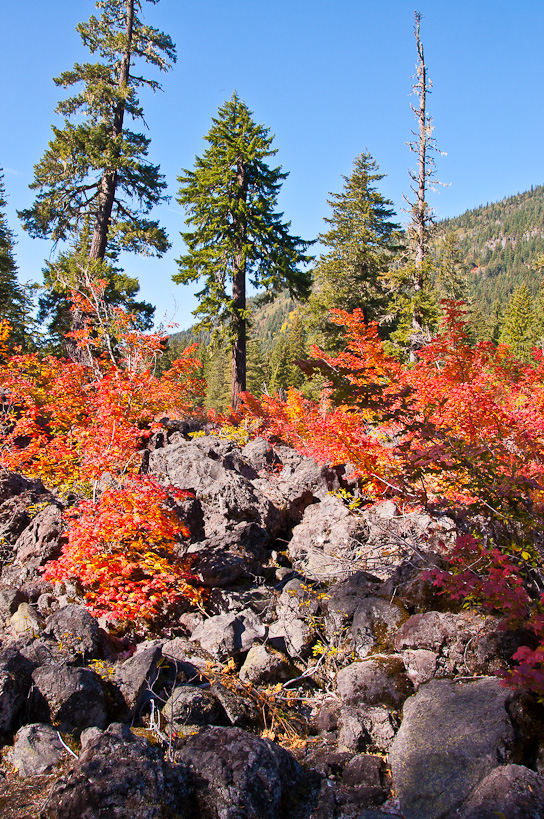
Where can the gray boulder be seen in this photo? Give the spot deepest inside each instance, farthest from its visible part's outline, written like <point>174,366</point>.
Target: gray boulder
<point>188,705</point>
<point>511,791</point>
<point>263,666</point>
<point>236,554</point>
<point>379,681</point>
<point>212,469</point>
<point>119,775</point>
<point>37,749</point>
<point>41,539</point>
<point>374,623</point>
<point>136,677</point>
<point>343,599</point>
<point>76,630</point>
<point>15,682</point>
<point>228,635</point>
<point>238,776</point>
<point>71,697</point>
<point>326,544</point>
<point>452,736</point>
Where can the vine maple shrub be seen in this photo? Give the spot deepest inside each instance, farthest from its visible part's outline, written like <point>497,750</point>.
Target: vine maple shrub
<point>71,422</point>
<point>459,433</point>
<point>121,549</point>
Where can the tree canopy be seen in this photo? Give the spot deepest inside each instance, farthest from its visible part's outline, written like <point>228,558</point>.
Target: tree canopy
<point>95,167</point>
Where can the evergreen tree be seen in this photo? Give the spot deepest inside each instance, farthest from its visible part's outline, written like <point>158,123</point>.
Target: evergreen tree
<point>14,299</point>
<point>360,248</point>
<point>215,359</point>
<point>95,170</point>
<point>451,273</point>
<point>258,367</point>
<point>518,327</point>
<point>231,199</point>
<point>289,348</point>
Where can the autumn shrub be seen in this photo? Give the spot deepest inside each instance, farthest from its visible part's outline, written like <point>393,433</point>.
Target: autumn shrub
<point>123,548</point>
<point>460,433</point>
<point>74,421</point>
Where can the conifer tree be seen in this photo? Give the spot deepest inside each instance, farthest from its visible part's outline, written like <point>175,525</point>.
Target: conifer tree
<point>289,348</point>
<point>236,232</point>
<point>14,301</point>
<point>258,367</point>
<point>360,248</point>
<point>518,327</point>
<point>96,169</point>
<point>451,272</point>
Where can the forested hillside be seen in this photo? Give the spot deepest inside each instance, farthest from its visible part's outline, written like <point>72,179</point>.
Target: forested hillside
<point>500,243</point>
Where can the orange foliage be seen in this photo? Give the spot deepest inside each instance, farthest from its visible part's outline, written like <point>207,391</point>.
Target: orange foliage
<point>122,549</point>
<point>464,425</point>
<point>69,423</point>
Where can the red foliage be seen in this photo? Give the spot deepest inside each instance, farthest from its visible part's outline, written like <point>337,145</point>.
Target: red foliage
<point>122,548</point>
<point>460,433</point>
<point>69,423</point>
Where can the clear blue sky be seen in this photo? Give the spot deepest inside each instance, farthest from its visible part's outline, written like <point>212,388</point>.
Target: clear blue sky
<point>329,79</point>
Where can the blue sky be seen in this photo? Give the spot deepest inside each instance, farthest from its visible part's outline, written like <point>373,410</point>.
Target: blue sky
<point>329,79</point>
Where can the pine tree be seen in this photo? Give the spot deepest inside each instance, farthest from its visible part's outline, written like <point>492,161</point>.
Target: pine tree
<point>96,168</point>
<point>451,273</point>
<point>231,199</point>
<point>258,367</point>
<point>360,248</point>
<point>518,327</point>
<point>14,300</point>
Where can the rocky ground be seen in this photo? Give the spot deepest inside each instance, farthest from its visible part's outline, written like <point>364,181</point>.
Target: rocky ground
<point>323,679</point>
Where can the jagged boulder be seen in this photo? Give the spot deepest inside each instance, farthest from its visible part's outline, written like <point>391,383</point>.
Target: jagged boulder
<point>325,546</point>
<point>236,774</point>
<point>119,775</point>
<point>213,469</point>
<point>73,698</point>
<point>74,628</point>
<point>15,682</point>
<point>512,791</point>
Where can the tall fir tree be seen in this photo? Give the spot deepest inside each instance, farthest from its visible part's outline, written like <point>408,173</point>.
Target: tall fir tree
<point>235,231</point>
<point>359,249</point>
<point>451,276</point>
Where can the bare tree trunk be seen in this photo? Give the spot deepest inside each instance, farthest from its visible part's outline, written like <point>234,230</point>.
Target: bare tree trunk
<point>420,210</point>
<point>108,183</point>
<point>239,361</point>
<point>239,322</point>
<point>420,214</point>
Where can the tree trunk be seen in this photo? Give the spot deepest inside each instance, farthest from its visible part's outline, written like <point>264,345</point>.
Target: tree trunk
<point>108,183</point>
<point>420,206</point>
<point>239,361</point>
<point>239,322</point>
